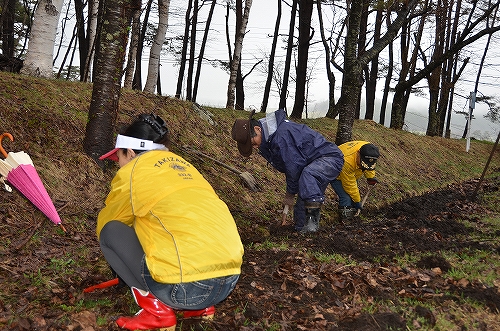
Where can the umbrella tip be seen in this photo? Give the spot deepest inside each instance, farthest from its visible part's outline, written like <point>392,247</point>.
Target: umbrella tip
<point>63,228</point>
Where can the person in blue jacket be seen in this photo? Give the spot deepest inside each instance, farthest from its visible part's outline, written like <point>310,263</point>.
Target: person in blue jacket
<point>308,160</point>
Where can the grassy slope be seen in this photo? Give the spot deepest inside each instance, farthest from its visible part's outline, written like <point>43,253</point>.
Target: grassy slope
<point>47,119</point>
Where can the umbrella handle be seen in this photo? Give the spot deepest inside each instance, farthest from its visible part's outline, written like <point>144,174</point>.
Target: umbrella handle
<point>8,135</point>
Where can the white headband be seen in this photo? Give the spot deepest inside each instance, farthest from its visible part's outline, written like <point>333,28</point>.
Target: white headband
<point>136,143</point>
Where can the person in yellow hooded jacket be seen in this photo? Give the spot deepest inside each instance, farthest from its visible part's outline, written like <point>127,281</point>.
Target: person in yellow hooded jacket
<point>165,232</point>
<point>360,159</point>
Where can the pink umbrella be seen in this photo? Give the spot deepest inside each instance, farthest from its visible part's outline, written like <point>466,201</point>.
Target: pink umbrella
<point>19,171</point>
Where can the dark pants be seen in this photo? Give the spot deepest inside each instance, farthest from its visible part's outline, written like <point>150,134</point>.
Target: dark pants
<point>313,182</point>
<point>345,199</point>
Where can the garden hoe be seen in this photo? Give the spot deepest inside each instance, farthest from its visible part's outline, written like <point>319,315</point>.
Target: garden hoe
<point>247,177</point>
<point>364,199</point>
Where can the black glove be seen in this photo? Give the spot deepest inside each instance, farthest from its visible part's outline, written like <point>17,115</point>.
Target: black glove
<point>372,181</point>
<point>357,205</point>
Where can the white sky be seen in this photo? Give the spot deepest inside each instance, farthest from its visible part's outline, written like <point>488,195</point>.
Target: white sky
<point>213,82</point>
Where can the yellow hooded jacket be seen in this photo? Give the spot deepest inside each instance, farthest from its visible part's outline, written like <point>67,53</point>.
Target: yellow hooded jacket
<point>351,171</point>
<point>186,231</point>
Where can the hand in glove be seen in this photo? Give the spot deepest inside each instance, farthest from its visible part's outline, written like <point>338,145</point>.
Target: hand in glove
<point>289,199</point>
<point>372,181</point>
<point>357,205</point>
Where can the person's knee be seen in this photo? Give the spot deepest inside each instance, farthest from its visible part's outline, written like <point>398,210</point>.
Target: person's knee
<point>112,229</point>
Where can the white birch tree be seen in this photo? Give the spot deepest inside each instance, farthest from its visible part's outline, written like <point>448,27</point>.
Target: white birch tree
<point>92,33</point>
<point>132,53</point>
<point>238,46</point>
<point>159,39</point>
<point>38,61</point>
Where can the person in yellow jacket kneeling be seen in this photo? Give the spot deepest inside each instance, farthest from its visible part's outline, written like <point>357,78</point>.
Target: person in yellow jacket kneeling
<point>165,232</point>
<point>360,159</point>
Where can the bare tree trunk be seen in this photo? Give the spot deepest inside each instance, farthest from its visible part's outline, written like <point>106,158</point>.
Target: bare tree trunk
<point>363,26</point>
<point>239,102</point>
<point>70,66</point>
<point>192,49</point>
<point>288,61</point>
<point>305,35</point>
<point>202,50</point>
<point>137,83</point>
<point>59,47</point>
<point>435,75</point>
<point>270,67</point>
<point>446,76</point>
<point>464,135</point>
<point>91,39</point>
<point>68,50</point>
<point>371,81</point>
<point>83,43</point>
<point>407,72</point>
<point>185,42</point>
<point>106,90</point>
<point>471,33</point>
<point>7,20</point>
<point>132,53</point>
<point>353,65</point>
<point>238,46</point>
<point>388,77</point>
<point>351,84</point>
<point>240,93</point>
<point>228,39</point>
<point>329,73</point>
<point>38,61</point>
<point>387,85</point>
<point>456,76</point>
<point>154,53</point>
<point>453,67</point>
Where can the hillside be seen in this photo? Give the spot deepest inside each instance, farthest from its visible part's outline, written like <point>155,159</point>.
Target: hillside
<point>417,210</point>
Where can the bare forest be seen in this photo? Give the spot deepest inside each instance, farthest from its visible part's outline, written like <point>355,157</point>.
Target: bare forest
<point>401,48</point>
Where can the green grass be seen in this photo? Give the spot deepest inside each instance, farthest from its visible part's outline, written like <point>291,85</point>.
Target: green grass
<point>269,244</point>
<point>474,265</point>
<point>337,258</point>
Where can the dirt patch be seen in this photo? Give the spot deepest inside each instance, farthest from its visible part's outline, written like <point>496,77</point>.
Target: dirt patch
<point>289,289</point>
<point>287,280</point>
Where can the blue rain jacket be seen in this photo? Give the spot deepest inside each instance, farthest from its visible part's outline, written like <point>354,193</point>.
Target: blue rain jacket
<point>289,147</point>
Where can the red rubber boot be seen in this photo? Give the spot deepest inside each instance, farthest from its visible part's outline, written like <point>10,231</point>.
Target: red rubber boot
<point>206,314</point>
<point>153,315</point>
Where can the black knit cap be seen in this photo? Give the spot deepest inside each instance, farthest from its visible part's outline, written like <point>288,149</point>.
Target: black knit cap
<point>369,154</point>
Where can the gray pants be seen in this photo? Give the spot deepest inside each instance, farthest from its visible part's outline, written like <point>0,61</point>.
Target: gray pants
<point>124,253</point>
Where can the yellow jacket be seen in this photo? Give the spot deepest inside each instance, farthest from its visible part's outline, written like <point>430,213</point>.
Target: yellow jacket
<point>351,171</point>
<point>186,231</point>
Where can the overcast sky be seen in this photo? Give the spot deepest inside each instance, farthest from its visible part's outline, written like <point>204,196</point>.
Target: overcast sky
<point>213,83</point>
<point>257,42</point>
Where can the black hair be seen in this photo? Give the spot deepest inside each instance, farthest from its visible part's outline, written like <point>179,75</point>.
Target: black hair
<point>253,124</point>
<point>149,127</point>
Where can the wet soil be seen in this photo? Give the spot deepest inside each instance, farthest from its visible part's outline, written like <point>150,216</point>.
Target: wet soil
<point>290,288</point>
